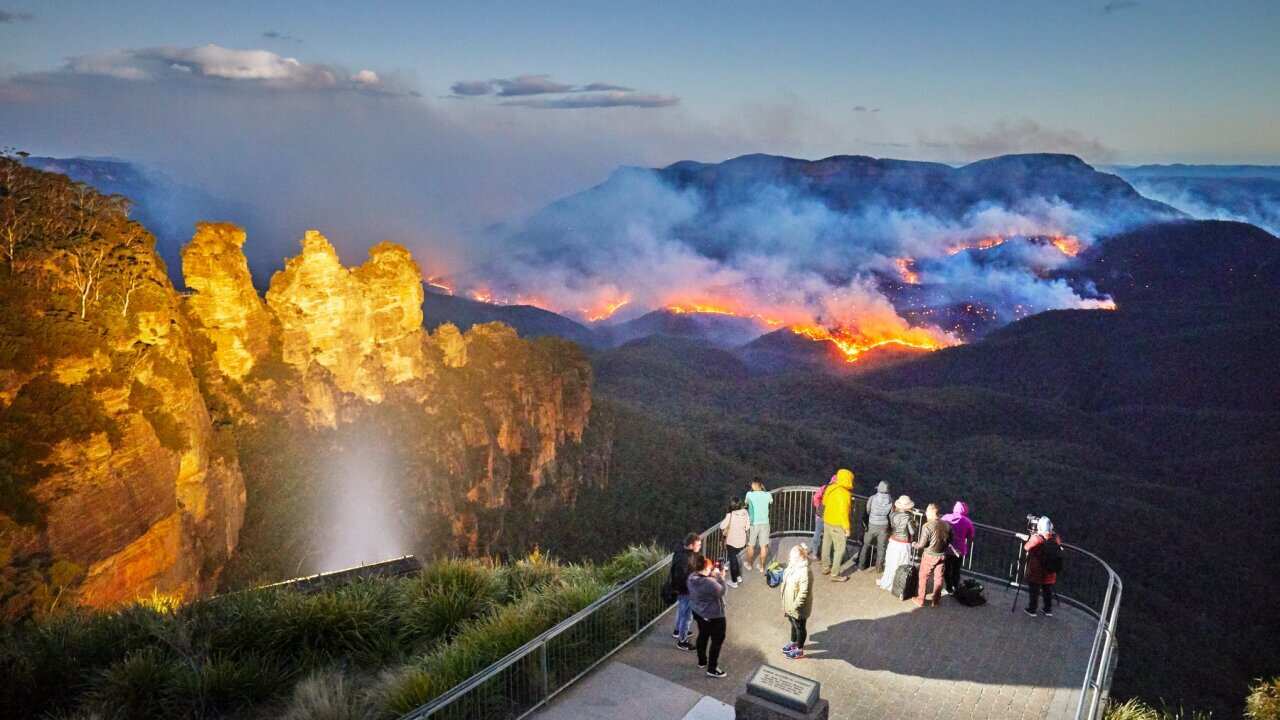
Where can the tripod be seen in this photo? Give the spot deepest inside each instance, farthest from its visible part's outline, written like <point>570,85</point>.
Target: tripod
<point>1019,569</point>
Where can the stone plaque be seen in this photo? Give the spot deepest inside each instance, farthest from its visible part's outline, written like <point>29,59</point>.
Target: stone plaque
<point>784,688</point>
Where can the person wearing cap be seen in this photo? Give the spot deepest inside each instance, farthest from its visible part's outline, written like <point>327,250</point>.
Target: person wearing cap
<point>815,542</point>
<point>876,537</point>
<point>1040,580</point>
<point>837,503</point>
<point>902,531</point>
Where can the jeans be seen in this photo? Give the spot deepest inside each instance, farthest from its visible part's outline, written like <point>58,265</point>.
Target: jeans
<point>833,539</point>
<point>1034,591</point>
<point>930,571</point>
<point>710,631</point>
<point>951,573</point>
<point>815,542</point>
<point>798,631</point>
<point>877,536</point>
<point>684,615</point>
<point>735,568</point>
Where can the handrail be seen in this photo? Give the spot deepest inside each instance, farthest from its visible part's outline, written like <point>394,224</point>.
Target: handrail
<point>525,688</point>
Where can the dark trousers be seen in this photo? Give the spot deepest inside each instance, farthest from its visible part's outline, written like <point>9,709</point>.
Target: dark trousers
<point>709,632</point>
<point>799,633</point>
<point>877,536</point>
<point>735,568</point>
<point>951,572</point>
<point>1034,591</point>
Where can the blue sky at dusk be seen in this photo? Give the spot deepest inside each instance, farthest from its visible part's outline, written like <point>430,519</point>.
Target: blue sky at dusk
<point>561,93</point>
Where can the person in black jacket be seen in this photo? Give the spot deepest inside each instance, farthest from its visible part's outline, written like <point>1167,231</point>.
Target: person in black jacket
<point>680,583</point>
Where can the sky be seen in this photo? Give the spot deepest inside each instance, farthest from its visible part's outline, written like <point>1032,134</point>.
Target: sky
<point>451,117</point>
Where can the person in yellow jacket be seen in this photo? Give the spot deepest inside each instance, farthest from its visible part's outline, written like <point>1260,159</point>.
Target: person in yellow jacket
<point>837,502</point>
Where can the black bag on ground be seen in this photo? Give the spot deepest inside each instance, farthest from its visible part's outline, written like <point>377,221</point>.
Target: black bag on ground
<point>969,593</point>
<point>906,580</point>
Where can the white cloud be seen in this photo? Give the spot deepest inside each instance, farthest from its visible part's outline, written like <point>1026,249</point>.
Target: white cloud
<point>216,63</point>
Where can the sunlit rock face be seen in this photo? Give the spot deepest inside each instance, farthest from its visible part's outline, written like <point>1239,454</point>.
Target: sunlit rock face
<point>223,302</point>
<point>491,412</point>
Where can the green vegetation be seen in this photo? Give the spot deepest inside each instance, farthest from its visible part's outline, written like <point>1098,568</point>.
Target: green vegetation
<point>1137,710</point>
<point>371,647</point>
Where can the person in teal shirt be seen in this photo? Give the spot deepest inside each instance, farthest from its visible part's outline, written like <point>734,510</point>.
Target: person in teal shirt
<point>758,502</point>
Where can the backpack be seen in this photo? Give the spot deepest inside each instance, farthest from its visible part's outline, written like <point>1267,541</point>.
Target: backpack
<point>1051,556</point>
<point>969,593</point>
<point>773,574</point>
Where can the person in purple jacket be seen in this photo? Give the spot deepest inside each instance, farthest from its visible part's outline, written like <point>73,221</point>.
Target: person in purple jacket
<point>961,536</point>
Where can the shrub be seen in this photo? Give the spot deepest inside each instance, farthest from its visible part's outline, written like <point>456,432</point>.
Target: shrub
<point>533,572</point>
<point>327,695</point>
<point>631,562</point>
<point>1263,702</point>
<point>146,683</point>
<point>1135,709</point>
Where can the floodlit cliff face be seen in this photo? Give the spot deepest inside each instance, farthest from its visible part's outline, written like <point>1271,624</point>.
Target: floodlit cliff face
<point>117,484</point>
<point>483,418</point>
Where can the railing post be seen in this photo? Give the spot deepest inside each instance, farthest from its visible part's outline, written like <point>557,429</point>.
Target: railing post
<point>546,674</point>
<point>637,604</point>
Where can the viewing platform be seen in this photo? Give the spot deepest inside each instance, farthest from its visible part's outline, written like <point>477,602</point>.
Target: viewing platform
<point>876,656</point>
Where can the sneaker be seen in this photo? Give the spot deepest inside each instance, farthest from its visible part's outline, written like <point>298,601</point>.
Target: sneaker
<point>1029,611</point>
<point>788,647</point>
<point>839,578</point>
<point>946,592</point>
<point>702,663</point>
<point>731,583</point>
<point>684,645</point>
<point>795,653</point>
<point>675,635</point>
<point>716,673</point>
<point>1048,613</point>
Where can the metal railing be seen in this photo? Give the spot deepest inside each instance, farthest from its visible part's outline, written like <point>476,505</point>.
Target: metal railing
<point>532,675</point>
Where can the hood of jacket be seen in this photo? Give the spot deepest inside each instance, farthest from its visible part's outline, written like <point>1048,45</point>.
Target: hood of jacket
<point>844,479</point>
<point>961,508</point>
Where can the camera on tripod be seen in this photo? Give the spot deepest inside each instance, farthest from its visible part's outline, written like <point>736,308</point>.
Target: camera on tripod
<point>1033,524</point>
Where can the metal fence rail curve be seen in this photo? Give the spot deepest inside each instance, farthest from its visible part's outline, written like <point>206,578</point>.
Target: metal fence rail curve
<point>529,677</point>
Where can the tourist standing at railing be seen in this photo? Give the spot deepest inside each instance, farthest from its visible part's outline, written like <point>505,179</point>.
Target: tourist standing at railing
<point>837,503</point>
<point>902,532</point>
<point>735,524</point>
<point>876,537</point>
<point>961,535</point>
<point>706,591</point>
<point>680,583</point>
<point>797,599</point>
<point>934,537</point>
<point>1044,560</point>
<point>758,502</point>
<point>815,542</point>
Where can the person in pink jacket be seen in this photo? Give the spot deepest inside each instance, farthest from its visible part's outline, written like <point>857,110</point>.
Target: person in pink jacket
<point>734,526</point>
<point>958,547</point>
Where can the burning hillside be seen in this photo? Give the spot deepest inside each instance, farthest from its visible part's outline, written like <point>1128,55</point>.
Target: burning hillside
<point>751,241</point>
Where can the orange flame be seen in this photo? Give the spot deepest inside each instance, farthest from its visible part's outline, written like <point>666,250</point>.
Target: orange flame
<point>607,310</point>
<point>852,345</point>
<point>1069,245</point>
<point>906,270</point>
<point>440,284</point>
<point>696,308</point>
<point>985,243</point>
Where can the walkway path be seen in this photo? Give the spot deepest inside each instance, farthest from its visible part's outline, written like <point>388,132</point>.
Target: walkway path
<point>876,657</point>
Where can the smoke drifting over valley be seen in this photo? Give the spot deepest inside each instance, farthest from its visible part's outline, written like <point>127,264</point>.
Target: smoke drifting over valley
<point>874,249</point>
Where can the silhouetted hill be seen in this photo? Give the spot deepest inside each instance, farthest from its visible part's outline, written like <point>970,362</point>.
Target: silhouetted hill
<point>720,330</point>
<point>852,183</point>
<point>529,321</point>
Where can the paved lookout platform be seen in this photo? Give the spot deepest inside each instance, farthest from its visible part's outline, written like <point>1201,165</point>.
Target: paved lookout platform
<point>876,657</point>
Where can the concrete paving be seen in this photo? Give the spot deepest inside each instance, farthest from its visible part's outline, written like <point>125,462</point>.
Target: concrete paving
<point>876,657</point>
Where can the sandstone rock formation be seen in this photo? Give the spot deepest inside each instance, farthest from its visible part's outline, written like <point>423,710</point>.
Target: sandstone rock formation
<point>228,310</point>
<point>117,486</point>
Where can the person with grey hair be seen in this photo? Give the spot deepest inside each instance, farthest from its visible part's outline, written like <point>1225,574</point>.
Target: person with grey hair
<point>1044,562</point>
<point>797,599</point>
<point>876,537</point>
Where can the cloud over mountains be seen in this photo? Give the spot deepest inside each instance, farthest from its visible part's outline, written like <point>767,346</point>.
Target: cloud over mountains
<point>571,97</point>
